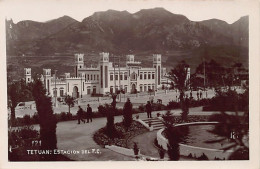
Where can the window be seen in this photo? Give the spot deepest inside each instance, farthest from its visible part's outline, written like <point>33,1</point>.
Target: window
<point>94,77</point>
<point>55,93</point>
<point>88,90</point>
<point>121,77</point>
<point>149,76</point>
<point>83,85</point>
<point>111,77</point>
<point>116,77</point>
<point>144,75</point>
<point>141,88</point>
<point>133,76</point>
<point>125,76</point>
<point>141,76</point>
<point>90,77</point>
<point>85,77</point>
<point>153,76</point>
<point>111,89</point>
<point>94,90</point>
<point>97,77</point>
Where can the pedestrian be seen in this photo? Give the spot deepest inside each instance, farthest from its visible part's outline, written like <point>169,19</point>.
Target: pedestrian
<point>89,114</point>
<point>80,115</point>
<point>200,94</point>
<point>149,109</point>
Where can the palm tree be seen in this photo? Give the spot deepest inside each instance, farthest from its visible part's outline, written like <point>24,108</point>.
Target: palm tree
<point>178,76</point>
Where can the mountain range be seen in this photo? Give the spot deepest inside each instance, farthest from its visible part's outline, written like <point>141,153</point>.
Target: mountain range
<point>144,32</point>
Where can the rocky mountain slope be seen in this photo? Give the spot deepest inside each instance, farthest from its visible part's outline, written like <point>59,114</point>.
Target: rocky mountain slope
<point>120,32</point>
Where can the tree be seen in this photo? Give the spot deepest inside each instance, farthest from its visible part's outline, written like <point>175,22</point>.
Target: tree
<point>110,127</point>
<point>234,127</point>
<point>69,101</point>
<point>18,92</point>
<point>178,76</point>
<point>214,73</point>
<point>173,136</point>
<point>127,116</point>
<point>14,97</point>
<point>47,120</point>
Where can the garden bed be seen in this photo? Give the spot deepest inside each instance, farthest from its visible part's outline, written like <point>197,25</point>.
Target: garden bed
<point>123,137</point>
<point>26,138</point>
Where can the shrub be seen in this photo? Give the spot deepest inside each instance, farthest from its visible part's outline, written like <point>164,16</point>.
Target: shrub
<point>203,157</point>
<point>161,153</point>
<point>28,132</point>
<point>102,110</point>
<point>127,114</point>
<point>156,142</point>
<point>69,116</point>
<point>173,105</point>
<point>63,116</point>
<point>27,120</point>
<point>141,108</point>
<point>35,118</point>
<point>190,155</point>
<point>136,149</point>
<point>158,106</point>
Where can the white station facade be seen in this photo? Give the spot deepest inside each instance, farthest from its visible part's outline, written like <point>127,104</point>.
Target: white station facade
<point>106,77</point>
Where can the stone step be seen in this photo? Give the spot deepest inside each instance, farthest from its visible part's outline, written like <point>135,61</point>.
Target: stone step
<point>158,125</point>
<point>158,128</point>
<point>152,119</point>
<point>157,122</point>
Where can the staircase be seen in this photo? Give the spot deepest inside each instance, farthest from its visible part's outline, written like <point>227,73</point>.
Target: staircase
<point>156,123</point>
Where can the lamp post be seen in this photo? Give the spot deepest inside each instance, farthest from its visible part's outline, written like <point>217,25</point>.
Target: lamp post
<point>55,89</point>
<point>81,85</point>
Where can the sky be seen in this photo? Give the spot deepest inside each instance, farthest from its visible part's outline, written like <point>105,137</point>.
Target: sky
<point>196,10</point>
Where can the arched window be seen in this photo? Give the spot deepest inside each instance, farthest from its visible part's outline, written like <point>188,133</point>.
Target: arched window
<point>133,76</point>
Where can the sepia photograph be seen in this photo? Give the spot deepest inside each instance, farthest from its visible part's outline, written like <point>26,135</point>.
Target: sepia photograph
<point>128,81</point>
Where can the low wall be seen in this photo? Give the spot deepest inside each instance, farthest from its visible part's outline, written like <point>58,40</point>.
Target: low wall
<point>185,150</point>
<point>122,150</point>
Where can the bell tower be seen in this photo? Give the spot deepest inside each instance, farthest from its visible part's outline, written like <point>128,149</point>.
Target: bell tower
<point>47,79</point>
<point>103,67</point>
<point>79,63</point>
<point>27,75</point>
<point>157,64</point>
